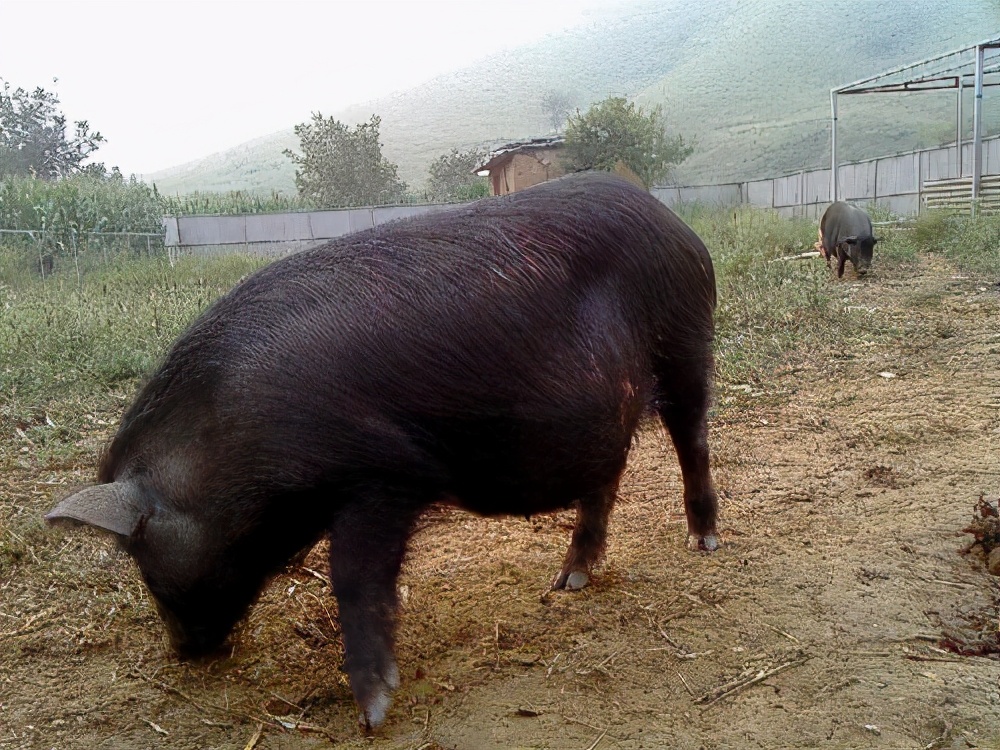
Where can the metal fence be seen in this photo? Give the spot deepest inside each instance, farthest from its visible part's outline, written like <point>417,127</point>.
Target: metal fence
<point>273,234</point>
<point>896,182</point>
<point>48,253</point>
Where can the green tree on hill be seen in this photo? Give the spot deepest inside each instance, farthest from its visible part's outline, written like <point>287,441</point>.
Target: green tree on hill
<point>615,131</point>
<point>33,139</point>
<point>557,105</point>
<point>452,178</point>
<point>344,167</point>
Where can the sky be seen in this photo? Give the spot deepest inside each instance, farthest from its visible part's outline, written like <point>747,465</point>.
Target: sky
<point>169,81</point>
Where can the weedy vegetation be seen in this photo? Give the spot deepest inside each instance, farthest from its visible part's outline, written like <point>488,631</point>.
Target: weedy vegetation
<point>234,202</point>
<point>973,243</point>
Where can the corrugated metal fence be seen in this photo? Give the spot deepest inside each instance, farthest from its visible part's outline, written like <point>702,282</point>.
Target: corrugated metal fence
<point>896,182</point>
<point>271,234</point>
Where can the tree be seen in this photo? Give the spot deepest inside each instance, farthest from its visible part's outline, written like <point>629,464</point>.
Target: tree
<point>452,177</point>
<point>33,139</point>
<point>616,131</point>
<point>344,167</point>
<point>557,106</point>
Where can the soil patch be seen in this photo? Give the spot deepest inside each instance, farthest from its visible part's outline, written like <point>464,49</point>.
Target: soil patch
<point>838,612</point>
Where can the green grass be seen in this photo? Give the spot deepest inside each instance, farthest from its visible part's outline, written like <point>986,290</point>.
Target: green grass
<point>768,306</point>
<point>71,353</point>
<point>973,244</point>
<point>111,328</point>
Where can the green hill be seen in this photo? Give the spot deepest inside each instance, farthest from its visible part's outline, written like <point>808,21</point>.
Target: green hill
<point>748,80</point>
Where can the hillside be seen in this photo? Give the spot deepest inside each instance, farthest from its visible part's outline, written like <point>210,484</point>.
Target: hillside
<point>748,80</point>
<point>765,74</point>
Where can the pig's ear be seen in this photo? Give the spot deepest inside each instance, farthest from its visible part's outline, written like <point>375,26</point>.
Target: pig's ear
<point>111,507</point>
<point>852,240</point>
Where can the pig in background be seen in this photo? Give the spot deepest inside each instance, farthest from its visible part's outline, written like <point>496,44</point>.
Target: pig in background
<point>498,356</point>
<point>845,233</point>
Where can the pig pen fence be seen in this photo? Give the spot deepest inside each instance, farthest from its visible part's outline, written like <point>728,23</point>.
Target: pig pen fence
<point>906,184</point>
<point>277,234</point>
<point>67,253</point>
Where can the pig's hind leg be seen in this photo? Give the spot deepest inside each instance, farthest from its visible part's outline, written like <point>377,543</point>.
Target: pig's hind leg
<point>367,545</point>
<point>683,408</point>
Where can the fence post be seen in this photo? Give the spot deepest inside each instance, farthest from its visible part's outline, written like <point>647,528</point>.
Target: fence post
<point>41,256</point>
<point>958,126</point>
<point>802,193</point>
<point>76,258</point>
<point>920,178</point>
<point>977,130</point>
<point>875,186</point>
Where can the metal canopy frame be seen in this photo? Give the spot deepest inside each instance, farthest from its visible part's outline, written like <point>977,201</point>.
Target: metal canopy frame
<point>976,66</point>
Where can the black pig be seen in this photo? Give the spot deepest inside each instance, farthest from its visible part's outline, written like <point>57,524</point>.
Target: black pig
<point>845,233</point>
<point>498,356</point>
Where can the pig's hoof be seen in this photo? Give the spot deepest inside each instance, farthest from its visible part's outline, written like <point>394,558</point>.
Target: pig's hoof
<point>573,580</point>
<point>577,580</point>
<point>373,714</point>
<point>706,543</point>
<point>375,707</point>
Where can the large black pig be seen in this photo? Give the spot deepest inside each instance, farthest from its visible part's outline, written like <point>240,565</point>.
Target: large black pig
<point>845,233</point>
<point>498,356</point>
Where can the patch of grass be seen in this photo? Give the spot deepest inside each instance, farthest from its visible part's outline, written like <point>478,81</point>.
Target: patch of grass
<point>897,242</point>
<point>756,233</point>
<point>931,230</point>
<point>110,329</point>
<point>973,243</point>
<point>65,338</point>
<point>769,305</point>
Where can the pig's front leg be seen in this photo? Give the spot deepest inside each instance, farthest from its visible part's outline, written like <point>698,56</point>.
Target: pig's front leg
<point>367,545</point>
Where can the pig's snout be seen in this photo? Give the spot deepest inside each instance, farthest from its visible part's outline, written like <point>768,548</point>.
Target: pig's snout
<point>191,642</point>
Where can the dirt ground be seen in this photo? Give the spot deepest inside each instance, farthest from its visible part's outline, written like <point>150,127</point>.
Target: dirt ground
<point>837,614</point>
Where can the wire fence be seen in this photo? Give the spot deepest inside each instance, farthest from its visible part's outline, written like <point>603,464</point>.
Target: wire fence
<point>48,253</point>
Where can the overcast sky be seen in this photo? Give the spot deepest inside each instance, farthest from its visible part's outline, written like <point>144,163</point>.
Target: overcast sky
<point>167,82</point>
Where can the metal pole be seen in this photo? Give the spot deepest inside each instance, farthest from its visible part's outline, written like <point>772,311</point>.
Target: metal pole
<point>833,146</point>
<point>875,184</point>
<point>977,129</point>
<point>958,126</point>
